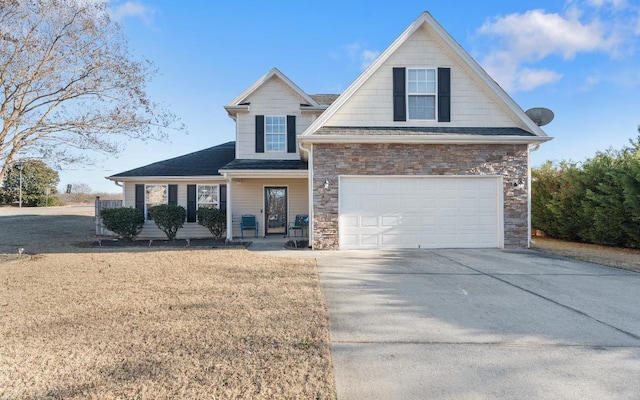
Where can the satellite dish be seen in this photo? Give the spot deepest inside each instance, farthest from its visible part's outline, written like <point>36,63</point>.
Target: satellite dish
<point>540,115</point>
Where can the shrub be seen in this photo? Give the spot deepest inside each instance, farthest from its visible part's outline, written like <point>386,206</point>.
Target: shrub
<point>169,218</point>
<point>45,201</point>
<point>126,222</point>
<point>213,219</point>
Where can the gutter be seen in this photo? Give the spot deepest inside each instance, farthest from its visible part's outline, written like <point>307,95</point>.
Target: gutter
<point>531,148</point>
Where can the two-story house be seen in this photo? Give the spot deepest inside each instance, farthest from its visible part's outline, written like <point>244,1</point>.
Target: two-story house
<point>423,150</point>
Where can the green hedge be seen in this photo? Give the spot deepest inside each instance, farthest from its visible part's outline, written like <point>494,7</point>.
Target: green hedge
<point>213,219</point>
<point>169,218</point>
<point>596,201</point>
<point>126,222</point>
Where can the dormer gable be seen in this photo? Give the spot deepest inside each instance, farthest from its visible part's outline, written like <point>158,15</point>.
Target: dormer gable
<point>270,114</point>
<point>424,80</point>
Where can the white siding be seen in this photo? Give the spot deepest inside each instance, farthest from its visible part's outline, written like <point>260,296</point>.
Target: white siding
<point>272,98</point>
<point>372,104</point>
<point>190,229</point>
<point>248,198</point>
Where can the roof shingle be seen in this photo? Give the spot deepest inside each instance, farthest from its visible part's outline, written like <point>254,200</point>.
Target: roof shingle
<point>205,162</point>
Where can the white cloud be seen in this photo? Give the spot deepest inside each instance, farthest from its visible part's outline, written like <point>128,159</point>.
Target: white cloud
<point>528,38</point>
<point>131,9</point>
<point>358,53</point>
<point>368,56</point>
<point>602,3</point>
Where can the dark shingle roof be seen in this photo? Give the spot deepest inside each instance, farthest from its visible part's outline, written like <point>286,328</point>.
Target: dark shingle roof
<point>324,99</point>
<point>435,130</point>
<point>244,164</point>
<point>205,162</point>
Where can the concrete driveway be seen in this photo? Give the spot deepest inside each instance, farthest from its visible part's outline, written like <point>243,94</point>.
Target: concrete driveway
<point>480,324</point>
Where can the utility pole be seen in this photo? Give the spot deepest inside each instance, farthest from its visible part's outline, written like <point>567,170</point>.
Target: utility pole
<point>20,167</point>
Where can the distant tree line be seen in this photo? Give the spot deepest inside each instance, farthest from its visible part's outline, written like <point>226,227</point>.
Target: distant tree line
<point>595,201</point>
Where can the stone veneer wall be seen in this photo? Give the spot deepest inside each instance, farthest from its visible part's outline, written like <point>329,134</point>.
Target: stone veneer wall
<point>333,160</point>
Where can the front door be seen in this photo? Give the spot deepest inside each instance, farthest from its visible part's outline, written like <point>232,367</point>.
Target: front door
<point>275,199</point>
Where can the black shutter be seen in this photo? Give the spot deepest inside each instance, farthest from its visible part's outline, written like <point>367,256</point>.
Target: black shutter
<point>291,134</point>
<point>444,94</point>
<point>191,203</point>
<point>140,198</point>
<point>259,133</point>
<point>173,194</point>
<point>222,201</point>
<point>399,95</point>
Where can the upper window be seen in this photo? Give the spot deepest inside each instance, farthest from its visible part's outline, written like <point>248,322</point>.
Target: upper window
<point>421,93</point>
<point>154,195</point>
<point>275,129</point>
<point>207,196</point>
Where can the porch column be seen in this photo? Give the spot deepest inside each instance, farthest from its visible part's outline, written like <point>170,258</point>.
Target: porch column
<point>229,210</point>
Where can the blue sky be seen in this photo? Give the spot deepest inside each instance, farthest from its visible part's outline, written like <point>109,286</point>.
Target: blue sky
<point>580,58</point>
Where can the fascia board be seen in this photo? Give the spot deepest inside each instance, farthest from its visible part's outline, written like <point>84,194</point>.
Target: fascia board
<point>280,173</point>
<point>424,139</point>
<point>165,178</point>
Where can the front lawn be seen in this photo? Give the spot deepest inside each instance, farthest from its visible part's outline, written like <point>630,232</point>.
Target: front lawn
<point>180,324</point>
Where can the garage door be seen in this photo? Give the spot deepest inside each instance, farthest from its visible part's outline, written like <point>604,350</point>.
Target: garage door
<point>420,212</point>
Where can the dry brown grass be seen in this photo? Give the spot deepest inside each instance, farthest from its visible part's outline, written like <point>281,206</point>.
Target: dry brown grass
<point>162,325</point>
<point>617,257</point>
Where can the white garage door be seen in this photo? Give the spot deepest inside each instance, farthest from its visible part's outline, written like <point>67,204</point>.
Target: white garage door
<point>420,212</point>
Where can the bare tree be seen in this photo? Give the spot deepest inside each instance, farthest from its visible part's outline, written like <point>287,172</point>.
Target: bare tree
<point>68,83</point>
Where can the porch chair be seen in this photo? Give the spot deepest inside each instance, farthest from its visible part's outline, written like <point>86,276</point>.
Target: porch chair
<point>248,223</point>
<point>301,223</point>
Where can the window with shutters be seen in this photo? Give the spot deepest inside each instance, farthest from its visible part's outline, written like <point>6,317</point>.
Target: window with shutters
<point>207,196</point>
<point>154,195</point>
<point>275,131</point>
<point>421,93</point>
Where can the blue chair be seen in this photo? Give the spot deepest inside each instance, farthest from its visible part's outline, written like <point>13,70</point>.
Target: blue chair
<point>301,223</point>
<point>248,223</point>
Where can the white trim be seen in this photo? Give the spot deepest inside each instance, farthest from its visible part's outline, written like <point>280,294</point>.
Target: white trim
<point>166,196</point>
<point>218,178</point>
<point>499,194</point>
<point>426,19</point>
<point>429,139</point>
<point>309,152</point>
<point>217,205</point>
<point>425,94</point>
<point>284,150</point>
<point>229,210</point>
<point>260,174</point>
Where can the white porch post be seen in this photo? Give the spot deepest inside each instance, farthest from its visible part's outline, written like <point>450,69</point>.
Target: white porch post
<point>229,210</point>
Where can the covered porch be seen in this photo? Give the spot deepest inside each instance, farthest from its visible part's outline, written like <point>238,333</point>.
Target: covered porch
<point>272,198</point>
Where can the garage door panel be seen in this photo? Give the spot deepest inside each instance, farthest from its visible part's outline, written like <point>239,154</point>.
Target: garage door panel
<point>426,212</point>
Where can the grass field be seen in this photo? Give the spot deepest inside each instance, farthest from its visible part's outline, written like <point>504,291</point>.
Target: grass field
<point>158,324</point>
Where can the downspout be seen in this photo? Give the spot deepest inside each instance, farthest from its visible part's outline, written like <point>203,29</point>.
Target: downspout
<point>531,149</point>
<point>309,152</point>
<point>121,185</point>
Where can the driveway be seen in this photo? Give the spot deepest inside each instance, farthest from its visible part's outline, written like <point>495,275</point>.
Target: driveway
<point>480,324</point>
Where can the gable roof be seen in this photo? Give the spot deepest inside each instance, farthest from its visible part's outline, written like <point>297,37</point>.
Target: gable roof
<point>274,72</point>
<point>425,19</point>
<point>205,162</point>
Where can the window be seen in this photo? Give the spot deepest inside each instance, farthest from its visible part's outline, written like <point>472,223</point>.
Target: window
<point>207,196</point>
<point>154,195</point>
<point>275,133</point>
<point>421,93</point>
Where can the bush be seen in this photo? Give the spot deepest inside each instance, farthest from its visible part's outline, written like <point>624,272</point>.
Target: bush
<point>45,201</point>
<point>169,218</point>
<point>126,222</point>
<point>213,219</point>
